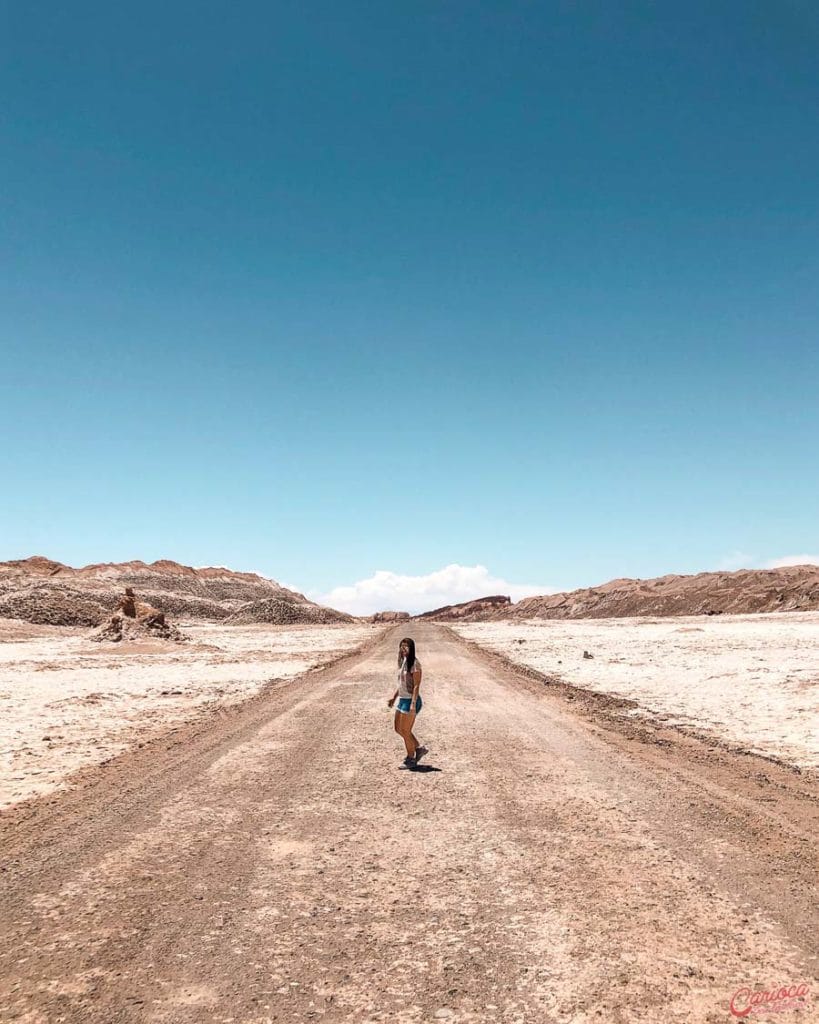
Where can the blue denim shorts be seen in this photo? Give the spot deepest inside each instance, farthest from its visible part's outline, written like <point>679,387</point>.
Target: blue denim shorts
<point>404,704</point>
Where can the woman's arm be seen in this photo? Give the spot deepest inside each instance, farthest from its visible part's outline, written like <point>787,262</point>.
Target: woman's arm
<point>416,682</point>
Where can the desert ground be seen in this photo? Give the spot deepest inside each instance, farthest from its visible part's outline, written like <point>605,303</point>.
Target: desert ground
<point>749,680</point>
<point>552,861</point>
<point>67,702</point>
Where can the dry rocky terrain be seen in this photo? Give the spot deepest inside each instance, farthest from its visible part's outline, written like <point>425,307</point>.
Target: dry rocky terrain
<point>547,863</point>
<point>748,681</point>
<point>793,588</point>
<point>68,702</point>
<point>40,590</point>
<point>208,820</point>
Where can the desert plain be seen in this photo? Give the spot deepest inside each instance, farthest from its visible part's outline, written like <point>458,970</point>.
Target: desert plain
<point>68,702</point>
<point>751,681</point>
<point>220,829</point>
<point>748,680</point>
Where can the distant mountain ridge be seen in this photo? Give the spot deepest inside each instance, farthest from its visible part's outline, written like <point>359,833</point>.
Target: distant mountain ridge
<point>39,589</point>
<point>470,610</point>
<point>791,588</point>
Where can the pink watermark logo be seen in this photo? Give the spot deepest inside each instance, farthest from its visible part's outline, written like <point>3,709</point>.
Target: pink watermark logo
<point>747,1001</point>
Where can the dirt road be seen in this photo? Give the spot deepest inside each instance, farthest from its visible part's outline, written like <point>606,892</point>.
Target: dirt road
<point>546,864</point>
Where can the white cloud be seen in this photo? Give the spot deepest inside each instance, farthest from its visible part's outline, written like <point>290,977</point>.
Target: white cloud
<point>779,563</point>
<point>389,591</point>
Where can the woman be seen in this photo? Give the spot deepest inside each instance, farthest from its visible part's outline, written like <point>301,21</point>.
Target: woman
<point>409,701</point>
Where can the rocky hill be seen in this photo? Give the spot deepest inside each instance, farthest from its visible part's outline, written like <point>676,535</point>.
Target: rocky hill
<point>389,616</point>
<point>40,590</point>
<point>470,611</point>
<point>793,588</point>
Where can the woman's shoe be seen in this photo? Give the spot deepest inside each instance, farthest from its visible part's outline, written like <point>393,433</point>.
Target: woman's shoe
<point>409,762</point>
<point>419,753</point>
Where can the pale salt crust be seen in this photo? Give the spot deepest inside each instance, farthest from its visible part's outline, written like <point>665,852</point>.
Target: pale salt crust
<point>752,680</point>
<point>66,701</point>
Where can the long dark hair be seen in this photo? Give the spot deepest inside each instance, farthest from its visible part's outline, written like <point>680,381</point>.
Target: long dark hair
<point>410,656</point>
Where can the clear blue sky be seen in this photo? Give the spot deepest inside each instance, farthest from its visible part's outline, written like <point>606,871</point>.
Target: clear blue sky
<point>323,288</point>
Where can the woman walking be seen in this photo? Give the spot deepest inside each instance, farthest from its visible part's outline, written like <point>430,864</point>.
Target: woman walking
<point>409,701</point>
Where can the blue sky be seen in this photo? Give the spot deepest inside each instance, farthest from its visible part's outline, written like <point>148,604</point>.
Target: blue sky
<point>322,290</point>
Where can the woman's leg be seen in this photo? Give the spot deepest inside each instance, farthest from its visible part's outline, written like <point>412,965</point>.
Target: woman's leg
<point>400,729</point>
<point>415,739</point>
<point>407,718</point>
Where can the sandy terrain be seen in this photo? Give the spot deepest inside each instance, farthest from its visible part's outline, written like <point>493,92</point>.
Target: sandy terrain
<point>543,867</point>
<point>751,680</point>
<point>66,702</point>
